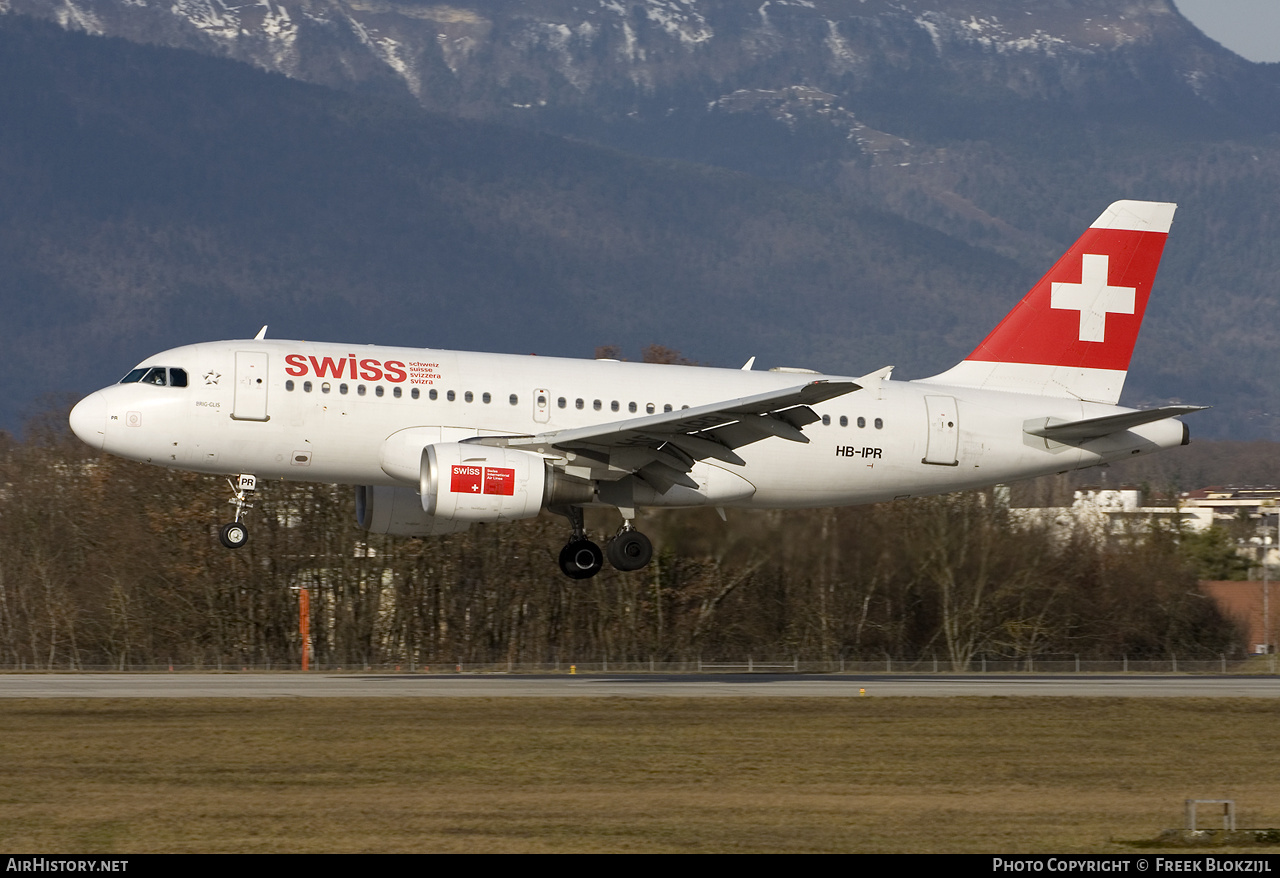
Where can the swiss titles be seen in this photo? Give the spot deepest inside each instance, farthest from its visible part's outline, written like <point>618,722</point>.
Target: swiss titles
<point>349,367</point>
<point>423,373</point>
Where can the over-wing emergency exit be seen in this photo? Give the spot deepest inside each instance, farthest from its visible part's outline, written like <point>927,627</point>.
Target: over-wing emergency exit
<point>436,440</point>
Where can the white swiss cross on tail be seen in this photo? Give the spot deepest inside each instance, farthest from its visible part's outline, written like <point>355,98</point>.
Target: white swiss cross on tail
<point>1093,298</point>
<point>1073,334</point>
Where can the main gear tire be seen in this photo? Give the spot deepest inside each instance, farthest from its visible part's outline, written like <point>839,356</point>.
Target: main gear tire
<point>629,550</point>
<point>581,559</point>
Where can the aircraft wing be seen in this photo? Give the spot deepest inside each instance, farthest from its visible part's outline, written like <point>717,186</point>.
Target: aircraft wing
<point>1095,428</point>
<point>662,448</point>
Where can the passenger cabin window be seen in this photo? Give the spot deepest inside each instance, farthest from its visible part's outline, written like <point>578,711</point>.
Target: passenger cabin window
<point>414,393</point>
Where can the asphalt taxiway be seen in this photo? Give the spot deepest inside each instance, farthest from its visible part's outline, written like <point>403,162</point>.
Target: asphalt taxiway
<point>324,685</point>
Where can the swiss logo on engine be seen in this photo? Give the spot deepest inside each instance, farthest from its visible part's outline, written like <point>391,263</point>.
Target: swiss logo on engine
<point>499,480</point>
<point>466,479</point>
<point>483,480</point>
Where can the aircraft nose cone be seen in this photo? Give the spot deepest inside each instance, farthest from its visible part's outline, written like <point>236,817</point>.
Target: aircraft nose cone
<point>89,420</point>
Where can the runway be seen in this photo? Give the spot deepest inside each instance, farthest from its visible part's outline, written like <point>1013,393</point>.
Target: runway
<point>316,685</point>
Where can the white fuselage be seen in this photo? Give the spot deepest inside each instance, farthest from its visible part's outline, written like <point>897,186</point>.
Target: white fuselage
<point>262,407</point>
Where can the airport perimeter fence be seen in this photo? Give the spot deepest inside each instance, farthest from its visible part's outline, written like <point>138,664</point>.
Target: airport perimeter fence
<point>1220,664</point>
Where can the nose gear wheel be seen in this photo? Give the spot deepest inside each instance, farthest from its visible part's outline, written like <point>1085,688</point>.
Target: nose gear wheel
<point>233,535</point>
<point>236,533</point>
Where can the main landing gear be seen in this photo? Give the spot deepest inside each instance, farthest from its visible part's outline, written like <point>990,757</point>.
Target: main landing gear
<point>629,549</point>
<point>236,534</point>
<point>582,559</point>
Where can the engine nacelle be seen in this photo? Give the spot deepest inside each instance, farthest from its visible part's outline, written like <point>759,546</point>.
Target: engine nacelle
<point>399,512</point>
<point>466,482</point>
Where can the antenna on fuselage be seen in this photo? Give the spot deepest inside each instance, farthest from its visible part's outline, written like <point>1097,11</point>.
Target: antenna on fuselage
<point>262,333</point>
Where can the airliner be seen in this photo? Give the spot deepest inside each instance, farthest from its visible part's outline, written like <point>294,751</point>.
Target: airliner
<point>437,440</point>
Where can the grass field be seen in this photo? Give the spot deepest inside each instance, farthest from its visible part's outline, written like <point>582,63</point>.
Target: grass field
<point>994,775</point>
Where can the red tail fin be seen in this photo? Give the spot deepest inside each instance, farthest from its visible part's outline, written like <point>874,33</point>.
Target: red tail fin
<point>1073,334</point>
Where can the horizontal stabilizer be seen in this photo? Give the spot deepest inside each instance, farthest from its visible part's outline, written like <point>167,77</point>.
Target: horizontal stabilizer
<point>1095,428</point>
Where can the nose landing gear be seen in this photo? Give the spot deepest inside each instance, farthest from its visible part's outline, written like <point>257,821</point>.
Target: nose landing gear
<point>236,534</point>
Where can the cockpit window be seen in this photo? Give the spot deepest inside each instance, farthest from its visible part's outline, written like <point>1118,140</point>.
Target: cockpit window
<point>157,375</point>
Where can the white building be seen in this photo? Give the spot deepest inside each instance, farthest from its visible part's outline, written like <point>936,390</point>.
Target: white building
<point>1251,514</point>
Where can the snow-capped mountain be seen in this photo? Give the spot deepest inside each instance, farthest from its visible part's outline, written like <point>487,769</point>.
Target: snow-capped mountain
<point>622,63</point>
